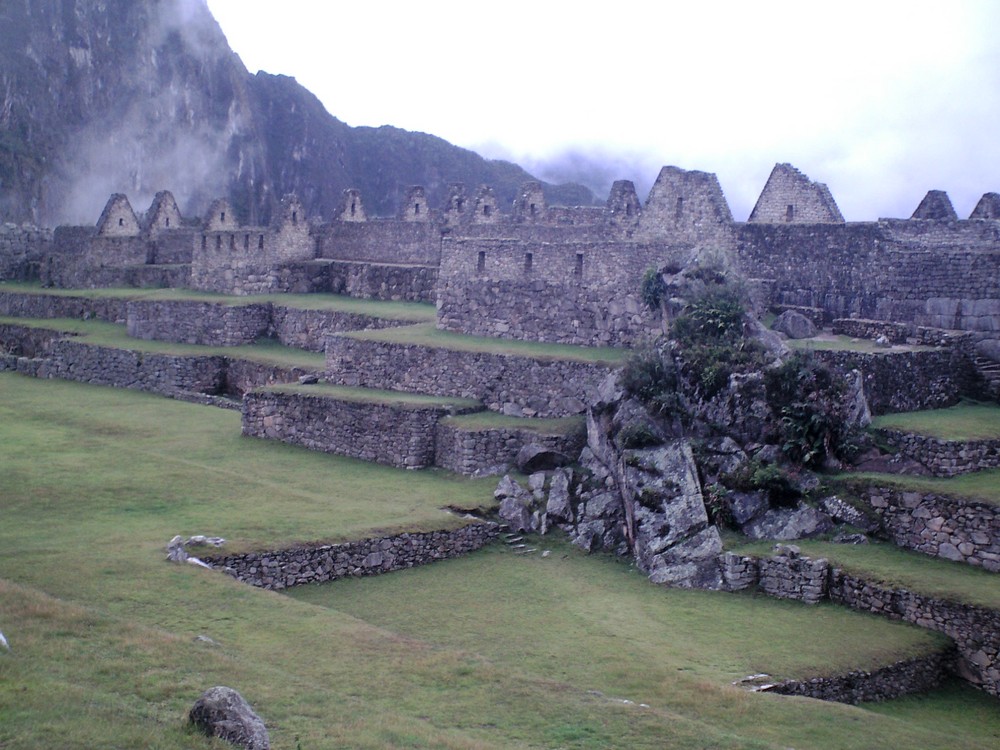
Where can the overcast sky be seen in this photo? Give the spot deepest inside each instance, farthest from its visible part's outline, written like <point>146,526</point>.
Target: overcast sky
<point>882,101</point>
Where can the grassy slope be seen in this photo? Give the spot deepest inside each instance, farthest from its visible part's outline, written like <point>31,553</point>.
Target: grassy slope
<point>427,335</point>
<point>983,486</point>
<point>410,311</point>
<point>961,422</point>
<point>103,630</point>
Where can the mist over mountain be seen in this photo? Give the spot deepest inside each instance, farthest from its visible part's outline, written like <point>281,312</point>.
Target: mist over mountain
<point>139,96</point>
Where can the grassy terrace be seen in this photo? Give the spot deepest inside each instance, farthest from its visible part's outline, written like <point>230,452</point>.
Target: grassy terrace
<point>99,333</point>
<point>371,395</point>
<point>829,342</point>
<point>491,651</point>
<point>407,311</point>
<point>898,568</point>
<point>486,420</point>
<point>428,335</point>
<point>961,422</point>
<point>981,485</point>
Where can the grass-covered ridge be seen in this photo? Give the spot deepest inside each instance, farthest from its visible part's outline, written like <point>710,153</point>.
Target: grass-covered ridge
<point>104,631</point>
<point>840,342</point>
<point>428,335</point>
<point>960,422</point>
<point>389,310</point>
<point>983,486</point>
<point>375,396</point>
<point>114,336</point>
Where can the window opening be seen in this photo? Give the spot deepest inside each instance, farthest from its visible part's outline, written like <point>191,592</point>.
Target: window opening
<point>579,265</point>
<point>527,262</point>
<point>789,212</point>
<point>481,264</point>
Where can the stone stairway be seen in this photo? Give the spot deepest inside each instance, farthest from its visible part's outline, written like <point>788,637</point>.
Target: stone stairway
<point>989,370</point>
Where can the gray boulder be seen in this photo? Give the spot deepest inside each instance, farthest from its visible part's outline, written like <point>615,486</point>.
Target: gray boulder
<point>745,506</point>
<point>843,512</point>
<point>515,505</point>
<point>222,712</point>
<point>795,325</point>
<point>989,348</point>
<point>788,523</point>
<point>558,507</point>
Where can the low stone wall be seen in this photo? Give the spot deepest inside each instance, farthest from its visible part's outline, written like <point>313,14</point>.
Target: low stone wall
<point>192,322</point>
<point>493,450</point>
<point>21,251</point>
<point>396,434</point>
<point>894,333</point>
<point>908,381</point>
<point>124,368</point>
<point>961,530</point>
<point>29,305</point>
<point>26,341</point>
<point>513,384</point>
<point>243,375</point>
<point>946,458</point>
<point>975,630</point>
<point>293,567</point>
<point>905,677</point>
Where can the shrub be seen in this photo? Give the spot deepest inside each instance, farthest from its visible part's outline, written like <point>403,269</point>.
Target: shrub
<point>652,289</point>
<point>755,475</point>
<point>652,378</point>
<point>637,435</point>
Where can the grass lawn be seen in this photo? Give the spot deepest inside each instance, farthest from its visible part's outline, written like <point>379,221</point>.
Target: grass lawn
<point>408,311</point>
<point>983,486</point>
<point>491,651</point>
<point>485,420</point>
<point>839,342</point>
<point>960,422</point>
<point>100,333</point>
<point>899,568</point>
<point>427,335</point>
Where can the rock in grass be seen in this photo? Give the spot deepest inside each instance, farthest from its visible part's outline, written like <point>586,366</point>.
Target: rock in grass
<point>3,643</point>
<point>222,712</point>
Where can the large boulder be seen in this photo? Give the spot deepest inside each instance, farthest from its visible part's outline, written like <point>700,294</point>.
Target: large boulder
<point>788,523</point>
<point>515,505</point>
<point>536,457</point>
<point>795,325</point>
<point>222,712</point>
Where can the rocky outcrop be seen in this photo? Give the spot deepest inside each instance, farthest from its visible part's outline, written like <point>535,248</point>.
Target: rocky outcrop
<point>222,712</point>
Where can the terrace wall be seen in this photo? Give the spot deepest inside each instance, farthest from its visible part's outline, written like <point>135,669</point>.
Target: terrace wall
<point>946,458</point>
<point>493,450</point>
<point>908,381</point>
<point>516,385</point>
<point>282,569</point>
<point>400,435</point>
<point>22,250</point>
<point>192,322</point>
<point>961,530</point>
<point>380,241</point>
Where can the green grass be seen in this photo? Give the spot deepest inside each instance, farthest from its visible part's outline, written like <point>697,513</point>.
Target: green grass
<point>100,333</point>
<point>983,486</point>
<point>103,630</point>
<point>899,568</point>
<point>961,422</point>
<point>406,311</point>
<point>372,395</point>
<point>428,335</point>
<point>485,420</point>
<point>840,342</point>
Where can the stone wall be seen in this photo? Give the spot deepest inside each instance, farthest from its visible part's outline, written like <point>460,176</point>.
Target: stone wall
<point>380,241</point>
<point>383,281</point>
<point>398,434</point>
<point>894,333</point>
<point>574,293</point>
<point>516,385</point>
<point>946,458</point>
<point>307,329</point>
<point>26,341</point>
<point>975,630</point>
<point>918,675</point>
<point>790,197</point>
<point>281,569</point>
<point>192,322</point>
<point>22,250</point>
<point>493,450</point>
<point>28,305</point>
<point>960,530</point>
<point>908,380</point>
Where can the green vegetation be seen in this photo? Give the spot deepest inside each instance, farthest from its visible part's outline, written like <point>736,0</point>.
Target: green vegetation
<point>408,311</point>
<point>99,333</point>
<point>428,335</point>
<point>899,568</point>
<point>980,485</point>
<point>961,422</point>
<point>501,651</point>
<point>484,420</point>
<point>652,289</point>
<point>372,395</point>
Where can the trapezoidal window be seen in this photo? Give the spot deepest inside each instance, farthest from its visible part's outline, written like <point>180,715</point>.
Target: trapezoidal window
<point>459,203</point>
<point>532,209</point>
<point>246,241</point>
<point>121,222</point>
<point>260,242</point>
<point>218,242</point>
<point>578,269</point>
<point>222,216</point>
<point>416,209</point>
<point>527,262</point>
<point>204,241</point>
<point>487,209</point>
<point>481,262</point>
<point>295,217</point>
<point>789,212</point>
<point>353,208</point>
<point>679,209</point>
<point>168,222</point>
